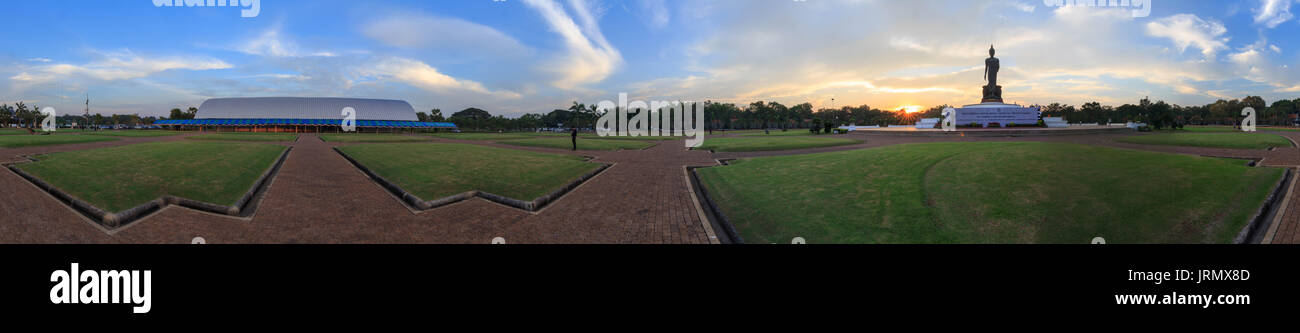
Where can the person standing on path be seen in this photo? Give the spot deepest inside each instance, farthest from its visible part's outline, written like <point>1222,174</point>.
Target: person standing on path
<point>573,132</point>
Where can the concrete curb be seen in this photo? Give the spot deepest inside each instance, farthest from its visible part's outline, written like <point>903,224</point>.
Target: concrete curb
<point>712,211</point>
<point>1278,213</point>
<point>1259,224</point>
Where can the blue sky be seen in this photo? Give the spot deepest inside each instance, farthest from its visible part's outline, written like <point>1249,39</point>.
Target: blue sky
<point>530,56</point>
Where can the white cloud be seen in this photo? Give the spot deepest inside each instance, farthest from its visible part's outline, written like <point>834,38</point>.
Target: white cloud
<point>421,31</point>
<point>272,44</point>
<point>426,77</point>
<point>590,58</point>
<point>1021,6</point>
<point>1247,57</point>
<point>658,11</point>
<point>115,66</point>
<point>1187,30</point>
<point>1271,13</point>
<point>865,53</point>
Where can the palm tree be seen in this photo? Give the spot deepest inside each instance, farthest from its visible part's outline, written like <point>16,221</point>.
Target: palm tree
<point>576,110</point>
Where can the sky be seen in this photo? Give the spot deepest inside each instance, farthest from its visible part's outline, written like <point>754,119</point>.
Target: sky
<point>512,57</point>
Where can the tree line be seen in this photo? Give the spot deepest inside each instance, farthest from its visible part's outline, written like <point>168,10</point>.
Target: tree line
<point>774,115</point>
<point>20,115</point>
<point>1161,114</point>
<point>717,115</point>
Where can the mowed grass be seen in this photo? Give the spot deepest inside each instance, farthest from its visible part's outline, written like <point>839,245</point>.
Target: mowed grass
<point>1009,192</point>
<point>792,132</point>
<point>610,136</point>
<point>747,143</point>
<point>118,178</point>
<point>583,143</point>
<point>358,137</point>
<point>25,140</point>
<point>12,131</point>
<point>529,135</point>
<point>249,137</point>
<point>1209,129</point>
<point>631,138</point>
<point>482,136</point>
<point>134,134</point>
<point>1212,140</point>
<point>1230,129</point>
<point>436,170</point>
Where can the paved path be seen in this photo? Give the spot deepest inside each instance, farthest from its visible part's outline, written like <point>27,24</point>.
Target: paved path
<point>318,197</point>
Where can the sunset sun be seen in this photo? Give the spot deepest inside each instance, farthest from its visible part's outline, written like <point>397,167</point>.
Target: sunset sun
<point>909,108</point>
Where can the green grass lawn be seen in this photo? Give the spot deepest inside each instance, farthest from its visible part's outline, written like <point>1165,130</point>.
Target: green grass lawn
<point>1212,129</point>
<point>1212,140</point>
<point>12,131</point>
<point>118,178</point>
<point>590,135</point>
<point>1007,192</point>
<point>250,137</point>
<point>24,140</point>
<point>483,136</point>
<point>134,133</point>
<point>632,138</point>
<point>583,143</point>
<point>748,143</point>
<point>436,170</point>
<point>1230,129</point>
<point>791,132</point>
<point>1276,129</point>
<point>740,132</point>
<point>357,137</point>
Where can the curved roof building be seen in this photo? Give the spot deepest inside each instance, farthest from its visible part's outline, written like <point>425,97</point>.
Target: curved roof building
<point>298,112</point>
<point>305,108</point>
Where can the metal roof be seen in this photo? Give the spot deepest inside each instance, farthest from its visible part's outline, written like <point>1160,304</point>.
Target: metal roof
<point>304,108</point>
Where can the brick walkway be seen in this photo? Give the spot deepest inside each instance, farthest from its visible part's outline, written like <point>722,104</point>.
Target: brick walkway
<point>318,197</point>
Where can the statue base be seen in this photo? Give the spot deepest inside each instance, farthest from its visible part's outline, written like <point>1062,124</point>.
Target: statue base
<point>1004,115</point>
<point>992,94</point>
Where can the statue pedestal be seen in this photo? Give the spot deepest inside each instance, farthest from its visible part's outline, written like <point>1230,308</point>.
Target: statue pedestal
<point>1003,114</point>
<point>992,94</point>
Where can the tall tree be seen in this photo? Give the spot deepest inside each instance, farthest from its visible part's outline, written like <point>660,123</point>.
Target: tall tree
<point>6,115</point>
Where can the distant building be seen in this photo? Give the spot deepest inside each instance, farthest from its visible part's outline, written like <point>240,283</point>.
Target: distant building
<point>302,114</point>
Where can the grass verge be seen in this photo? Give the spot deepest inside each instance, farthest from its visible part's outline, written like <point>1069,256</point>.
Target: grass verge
<point>437,170</point>
<point>118,178</point>
<point>1006,192</point>
<point>1211,140</point>
<point>746,143</point>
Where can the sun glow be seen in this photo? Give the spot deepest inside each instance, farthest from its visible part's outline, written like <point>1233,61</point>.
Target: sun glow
<point>909,108</point>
